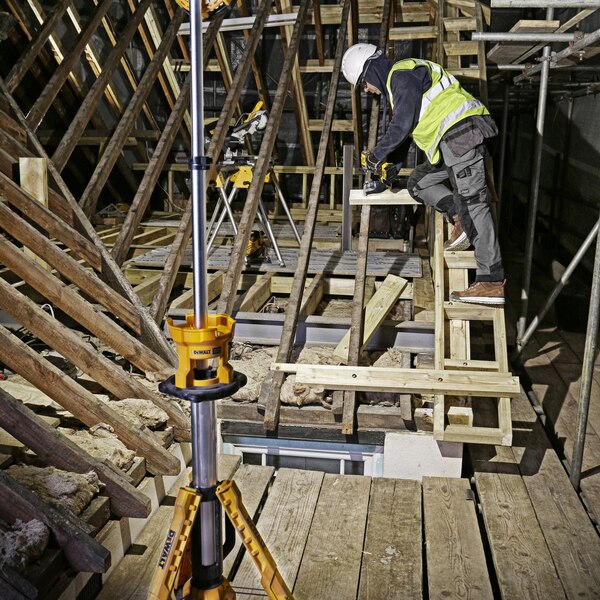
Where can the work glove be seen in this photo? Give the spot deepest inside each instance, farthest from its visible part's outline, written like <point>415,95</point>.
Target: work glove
<point>369,162</point>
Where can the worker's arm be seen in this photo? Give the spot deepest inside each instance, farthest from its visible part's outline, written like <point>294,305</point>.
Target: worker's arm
<point>407,90</point>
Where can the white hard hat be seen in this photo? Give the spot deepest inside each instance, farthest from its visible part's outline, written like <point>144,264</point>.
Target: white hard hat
<point>353,62</point>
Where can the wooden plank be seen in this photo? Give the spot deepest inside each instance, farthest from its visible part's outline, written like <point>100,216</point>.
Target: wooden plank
<point>331,562</point>
<point>254,298</point>
<point>83,552</point>
<point>376,311</point>
<point>313,294</point>
<point>34,180</point>
<point>357,328</point>
<point>379,379</point>
<point>508,52</point>
<point>77,400</point>
<point>392,554</point>
<point>417,32</point>
<point>385,198</point>
<point>56,449</point>
<point>284,525</point>
<point>113,149</point>
<point>569,533</point>
<point>456,565</point>
<point>523,563</point>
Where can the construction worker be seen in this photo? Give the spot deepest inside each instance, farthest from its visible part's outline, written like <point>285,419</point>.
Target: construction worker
<point>450,126</point>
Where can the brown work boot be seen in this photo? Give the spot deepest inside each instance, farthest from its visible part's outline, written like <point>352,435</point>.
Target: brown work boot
<point>458,239</point>
<point>482,292</point>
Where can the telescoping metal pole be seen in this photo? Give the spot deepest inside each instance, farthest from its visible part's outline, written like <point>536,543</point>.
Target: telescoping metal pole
<point>207,529</point>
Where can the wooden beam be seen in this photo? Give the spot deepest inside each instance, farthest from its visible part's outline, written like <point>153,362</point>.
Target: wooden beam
<point>62,339</point>
<point>22,66</point>
<point>160,302</point>
<point>312,295</point>
<point>77,126</point>
<point>44,101</point>
<point>387,198</point>
<point>56,449</point>
<point>40,215</point>
<point>68,300</point>
<point>297,90</point>
<point>34,180</point>
<point>407,381</point>
<point>83,552</point>
<point>376,311</point>
<point>254,298</point>
<point>270,388</point>
<point>142,197</point>
<point>64,264</point>
<point>19,357</point>
<point>111,273</point>
<point>113,149</point>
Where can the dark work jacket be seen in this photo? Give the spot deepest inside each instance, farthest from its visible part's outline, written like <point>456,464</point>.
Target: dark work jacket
<point>407,89</point>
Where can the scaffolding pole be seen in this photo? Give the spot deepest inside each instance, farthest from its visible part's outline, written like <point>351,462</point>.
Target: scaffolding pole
<point>587,371</point>
<point>535,189</point>
<point>576,47</point>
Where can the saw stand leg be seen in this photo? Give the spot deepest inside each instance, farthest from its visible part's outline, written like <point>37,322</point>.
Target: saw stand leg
<point>262,216</point>
<point>285,206</point>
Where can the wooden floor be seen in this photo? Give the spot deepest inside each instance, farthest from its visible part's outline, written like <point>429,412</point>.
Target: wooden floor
<point>515,529</point>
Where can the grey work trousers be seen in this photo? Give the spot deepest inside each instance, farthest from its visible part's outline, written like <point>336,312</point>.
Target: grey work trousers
<point>468,198</point>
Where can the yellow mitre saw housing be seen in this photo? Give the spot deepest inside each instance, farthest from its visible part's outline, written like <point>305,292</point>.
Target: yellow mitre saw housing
<point>208,8</point>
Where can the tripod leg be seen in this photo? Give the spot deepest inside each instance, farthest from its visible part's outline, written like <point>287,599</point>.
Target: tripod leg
<point>270,577</point>
<point>265,221</point>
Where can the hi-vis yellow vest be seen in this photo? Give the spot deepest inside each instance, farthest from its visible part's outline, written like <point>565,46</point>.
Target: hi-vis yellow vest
<point>444,104</point>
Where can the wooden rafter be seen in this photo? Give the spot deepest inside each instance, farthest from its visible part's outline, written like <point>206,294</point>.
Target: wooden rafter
<point>159,304</point>
<point>271,387</point>
<point>93,97</point>
<point>261,168</point>
<point>150,334</point>
<point>113,149</point>
<point>300,108</point>
<point>57,450</point>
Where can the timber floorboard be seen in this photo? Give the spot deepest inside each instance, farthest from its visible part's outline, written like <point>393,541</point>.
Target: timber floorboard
<point>348,536</point>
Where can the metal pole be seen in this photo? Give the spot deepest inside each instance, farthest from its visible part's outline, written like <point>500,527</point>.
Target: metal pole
<point>503,136</point>
<point>207,529</point>
<point>545,3</point>
<point>587,372</point>
<point>493,36</point>
<point>578,46</point>
<point>535,188</point>
<point>558,288</point>
<point>348,157</point>
<point>197,168</point>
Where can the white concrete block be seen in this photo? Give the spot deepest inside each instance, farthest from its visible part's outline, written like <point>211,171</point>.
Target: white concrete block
<point>413,455</point>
